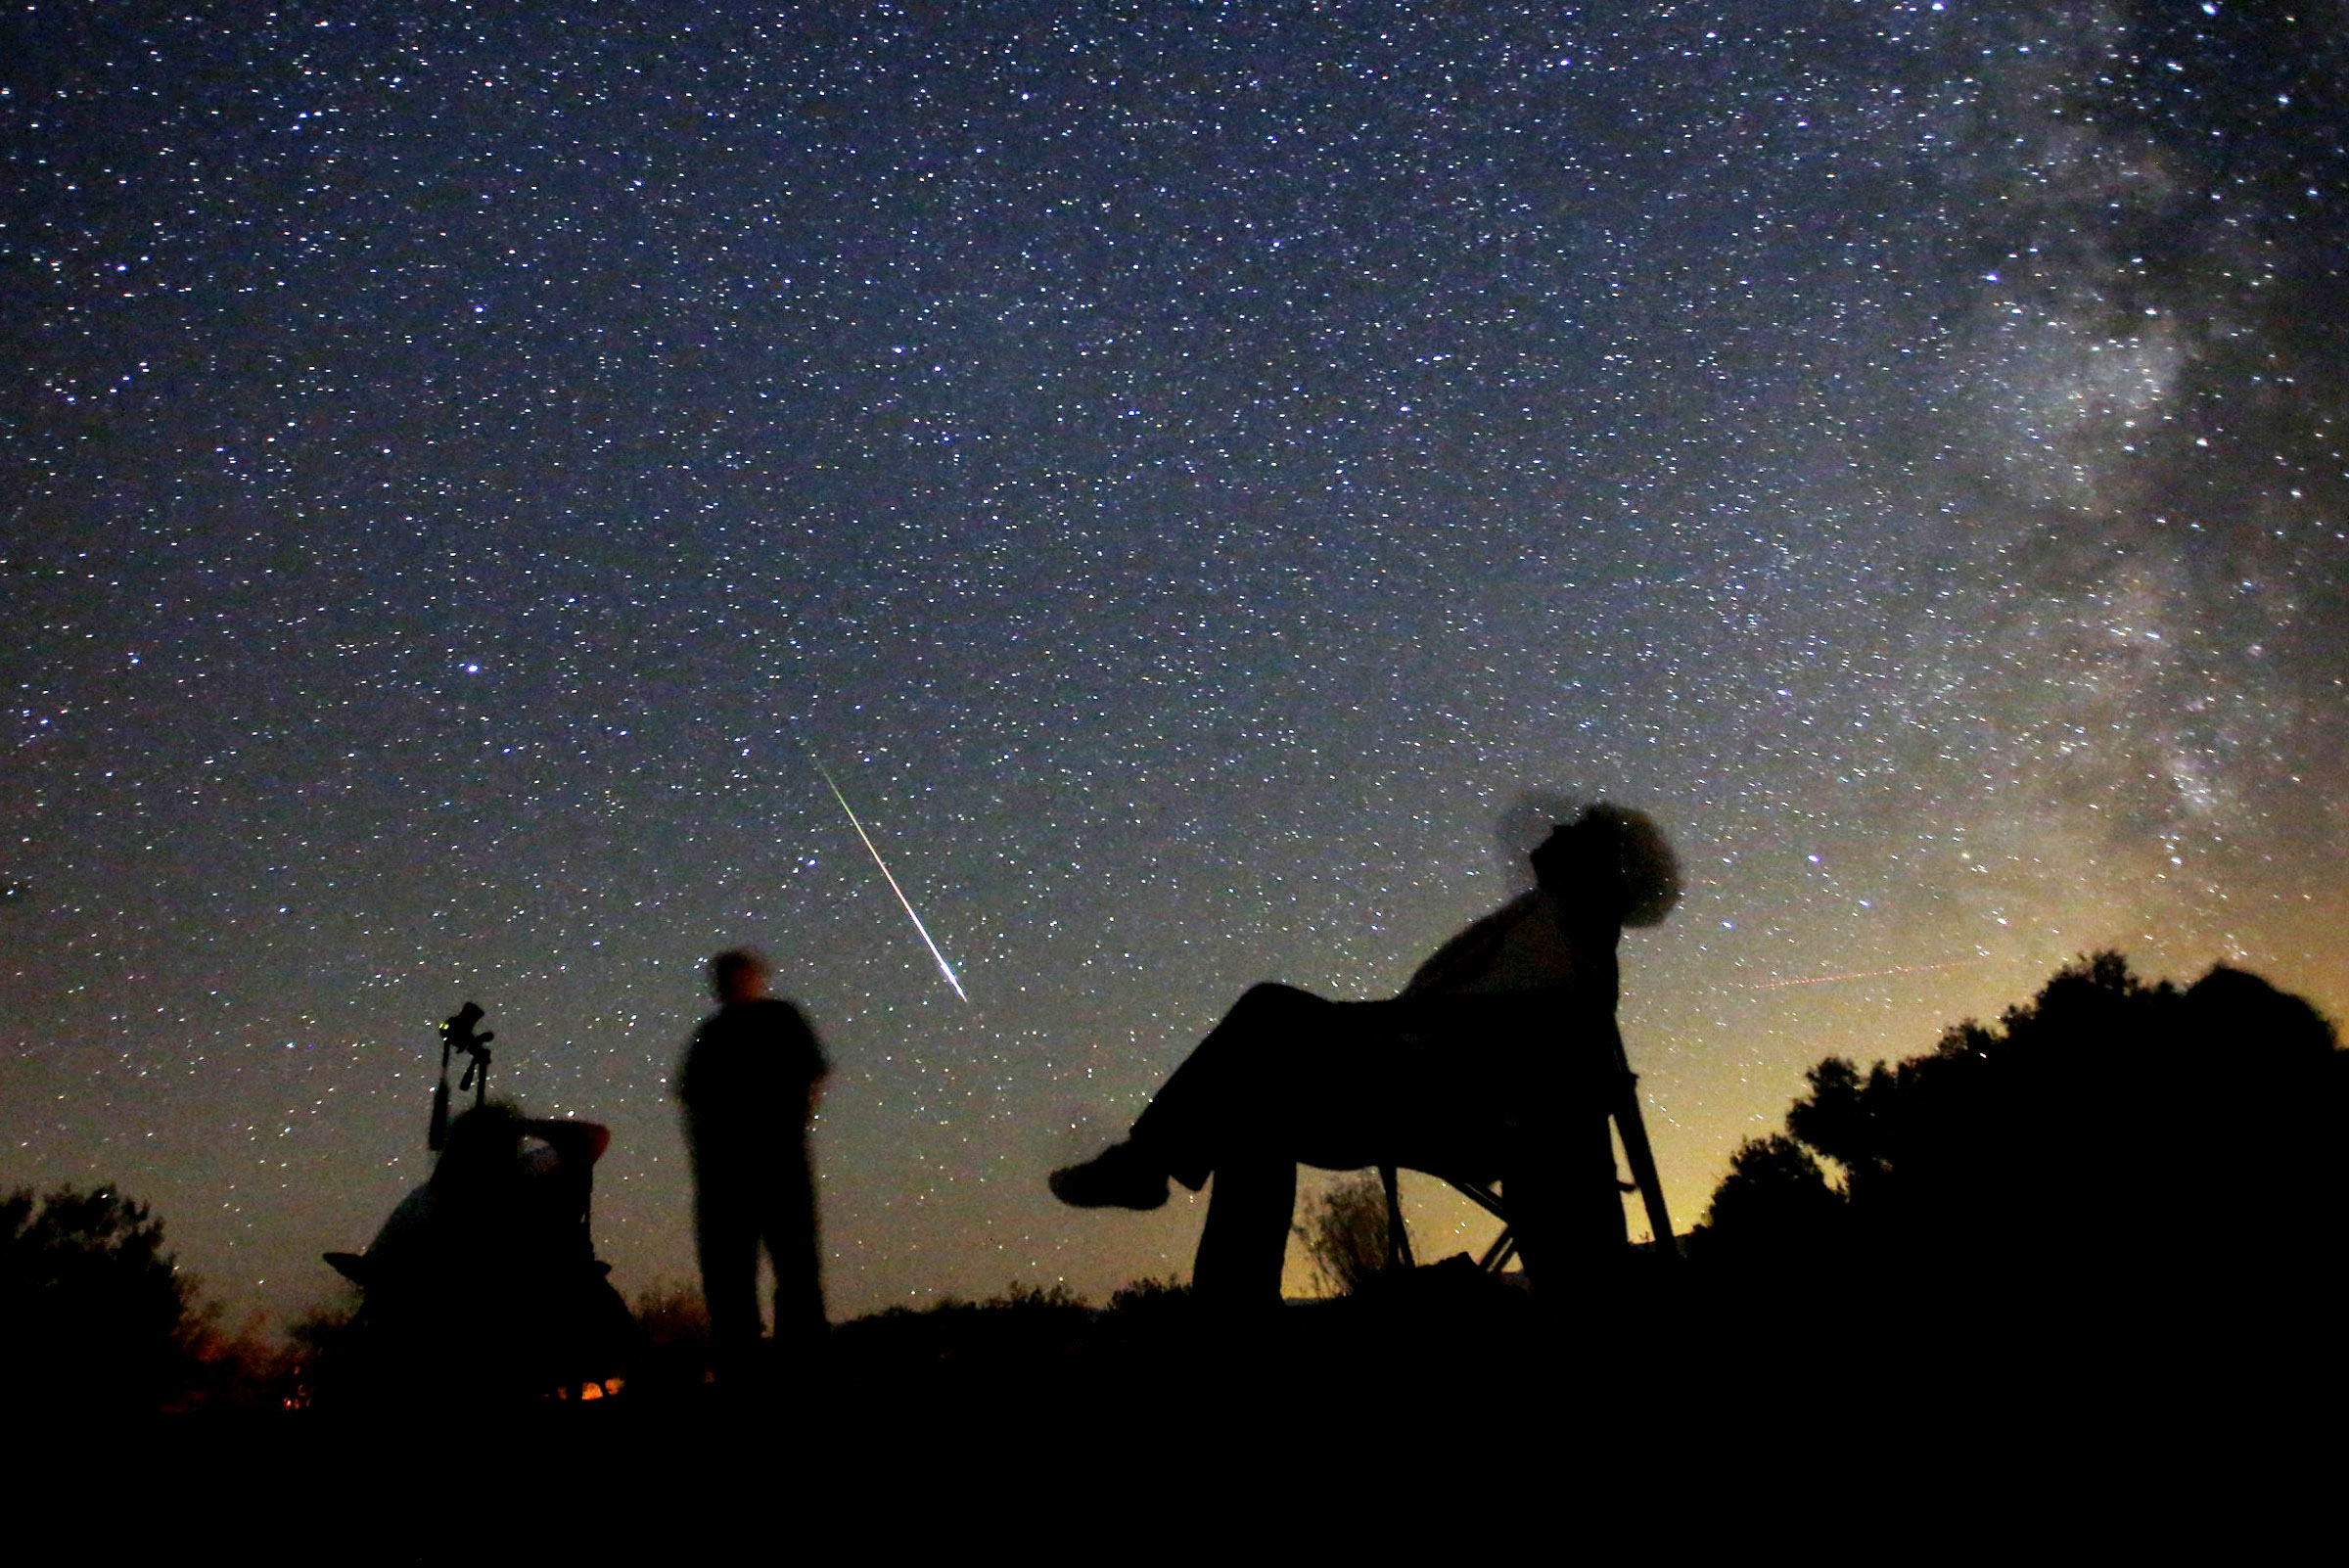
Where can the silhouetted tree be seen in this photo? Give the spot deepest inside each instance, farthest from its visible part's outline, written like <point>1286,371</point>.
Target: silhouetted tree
<point>1345,1234</point>
<point>1775,1191</point>
<point>2111,1133</point>
<point>93,1313</point>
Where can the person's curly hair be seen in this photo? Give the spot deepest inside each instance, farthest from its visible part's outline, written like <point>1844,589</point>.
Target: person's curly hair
<point>1640,856</point>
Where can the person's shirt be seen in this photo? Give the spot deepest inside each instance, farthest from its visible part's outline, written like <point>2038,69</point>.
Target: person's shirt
<point>1524,947</point>
<point>746,1077</point>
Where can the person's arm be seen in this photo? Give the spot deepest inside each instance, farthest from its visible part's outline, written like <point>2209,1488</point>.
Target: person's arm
<point>813,1061</point>
<point>573,1142</point>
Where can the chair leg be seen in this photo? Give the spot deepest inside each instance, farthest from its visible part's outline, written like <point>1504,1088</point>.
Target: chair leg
<point>1497,1257</point>
<point>1399,1239</point>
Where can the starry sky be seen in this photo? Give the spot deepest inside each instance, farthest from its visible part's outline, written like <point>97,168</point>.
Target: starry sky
<point>1185,469</point>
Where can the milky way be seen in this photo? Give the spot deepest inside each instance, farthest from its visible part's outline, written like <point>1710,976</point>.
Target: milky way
<point>1187,468</point>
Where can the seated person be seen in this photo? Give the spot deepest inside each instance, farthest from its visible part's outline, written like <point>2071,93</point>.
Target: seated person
<point>492,1253</point>
<point>1498,1061</point>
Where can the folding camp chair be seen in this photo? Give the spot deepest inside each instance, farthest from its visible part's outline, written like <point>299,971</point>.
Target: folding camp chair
<point>1630,1126</point>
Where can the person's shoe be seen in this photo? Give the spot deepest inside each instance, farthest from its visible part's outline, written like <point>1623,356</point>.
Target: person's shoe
<point>1120,1177</point>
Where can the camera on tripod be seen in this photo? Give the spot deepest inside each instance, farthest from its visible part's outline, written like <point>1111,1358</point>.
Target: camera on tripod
<point>460,1034</point>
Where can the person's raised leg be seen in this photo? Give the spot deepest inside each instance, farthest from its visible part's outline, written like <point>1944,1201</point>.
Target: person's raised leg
<point>1219,1094</point>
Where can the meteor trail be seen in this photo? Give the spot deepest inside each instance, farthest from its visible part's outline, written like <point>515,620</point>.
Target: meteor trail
<point>1871,974</point>
<point>943,967</point>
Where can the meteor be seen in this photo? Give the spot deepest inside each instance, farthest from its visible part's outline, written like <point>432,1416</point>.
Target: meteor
<point>943,967</point>
<point>1871,974</point>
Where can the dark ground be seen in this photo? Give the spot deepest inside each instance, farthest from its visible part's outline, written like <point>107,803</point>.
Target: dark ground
<point>1441,1412</point>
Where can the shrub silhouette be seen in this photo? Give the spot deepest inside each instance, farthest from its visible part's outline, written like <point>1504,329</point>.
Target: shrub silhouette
<point>675,1327</point>
<point>1344,1231</point>
<point>2110,1134</point>
<point>93,1311</point>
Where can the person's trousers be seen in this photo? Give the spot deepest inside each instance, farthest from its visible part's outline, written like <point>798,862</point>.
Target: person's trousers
<point>1515,1088</point>
<point>738,1208</point>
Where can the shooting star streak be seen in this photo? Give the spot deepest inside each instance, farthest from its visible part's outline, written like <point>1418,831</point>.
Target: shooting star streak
<point>1871,974</point>
<point>943,967</point>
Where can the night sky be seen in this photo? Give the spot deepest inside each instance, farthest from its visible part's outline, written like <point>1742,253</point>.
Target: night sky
<point>1185,470</point>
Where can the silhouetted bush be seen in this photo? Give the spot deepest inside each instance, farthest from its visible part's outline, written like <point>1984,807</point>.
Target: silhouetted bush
<point>1775,1196</point>
<point>1026,1321</point>
<point>321,1343</point>
<point>675,1328</point>
<point>1145,1298</point>
<point>2183,1145</point>
<point>93,1315</point>
<point>1344,1231</point>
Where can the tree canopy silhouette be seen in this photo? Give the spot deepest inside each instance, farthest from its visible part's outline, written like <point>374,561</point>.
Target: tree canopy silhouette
<point>93,1315</point>
<point>2111,1133</point>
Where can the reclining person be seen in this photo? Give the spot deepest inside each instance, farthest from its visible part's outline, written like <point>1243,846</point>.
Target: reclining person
<point>1498,1061</point>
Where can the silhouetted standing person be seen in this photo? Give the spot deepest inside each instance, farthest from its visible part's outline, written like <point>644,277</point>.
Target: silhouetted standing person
<point>750,1082</point>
